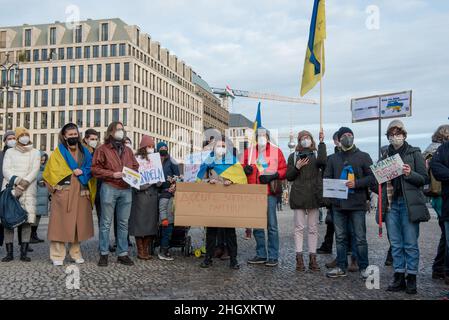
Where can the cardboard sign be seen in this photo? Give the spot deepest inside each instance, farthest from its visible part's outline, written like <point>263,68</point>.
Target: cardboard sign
<point>388,169</point>
<point>235,206</point>
<point>335,188</point>
<point>131,177</point>
<point>151,171</point>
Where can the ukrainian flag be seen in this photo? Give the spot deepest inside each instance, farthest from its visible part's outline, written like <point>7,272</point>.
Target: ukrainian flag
<point>228,168</point>
<point>312,64</point>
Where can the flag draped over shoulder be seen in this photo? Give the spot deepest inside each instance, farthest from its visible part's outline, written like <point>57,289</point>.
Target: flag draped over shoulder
<point>312,64</point>
<point>228,168</point>
<point>61,165</point>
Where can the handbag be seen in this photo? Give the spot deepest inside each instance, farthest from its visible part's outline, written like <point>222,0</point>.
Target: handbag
<point>12,214</point>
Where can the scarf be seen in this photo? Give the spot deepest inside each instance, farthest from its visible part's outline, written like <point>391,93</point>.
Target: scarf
<point>85,165</point>
<point>24,149</point>
<point>397,183</point>
<point>118,145</point>
<point>227,167</point>
<point>348,174</point>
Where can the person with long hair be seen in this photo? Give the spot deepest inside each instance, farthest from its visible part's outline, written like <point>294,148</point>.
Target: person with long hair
<point>69,179</point>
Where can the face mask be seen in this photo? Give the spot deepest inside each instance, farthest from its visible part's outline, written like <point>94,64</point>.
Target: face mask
<point>397,142</point>
<point>24,140</point>
<point>119,135</point>
<point>72,141</point>
<point>220,151</point>
<point>150,150</point>
<point>306,143</point>
<point>93,144</point>
<point>163,153</point>
<point>262,141</point>
<point>347,142</point>
<point>11,143</point>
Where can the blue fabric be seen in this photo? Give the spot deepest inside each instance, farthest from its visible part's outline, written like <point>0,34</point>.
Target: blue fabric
<point>404,238</point>
<point>219,166</point>
<point>311,42</point>
<point>86,166</point>
<point>119,201</point>
<point>358,222</point>
<point>161,145</point>
<point>344,174</point>
<point>258,118</point>
<point>273,234</point>
<point>166,236</point>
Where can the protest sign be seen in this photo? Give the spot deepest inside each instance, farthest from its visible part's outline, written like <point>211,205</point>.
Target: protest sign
<point>192,164</point>
<point>131,177</point>
<point>151,171</point>
<point>335,188</point>
<point>388,169</point>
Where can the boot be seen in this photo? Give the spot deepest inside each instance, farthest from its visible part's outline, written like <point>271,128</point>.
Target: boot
<point>24,251</point>
<point>300,262</point>
<point>19,238</point>
<point>234,264</point>
<point>389,259</point>
<point>313,264</point>
<point>140,249</point>
<point>150,242</point>
<point>9,253</point>
<point>411,284</point>
<point>332,264</point>
<point>206,263</point>
<point>398,283</point>
<point>34,237</point>
<point>353,267</point>
<point>146,247</point>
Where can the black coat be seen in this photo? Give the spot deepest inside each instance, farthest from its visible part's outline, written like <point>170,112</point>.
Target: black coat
<point>307,188</point>
<point>412,186</point>
<point>170,169</point>
<point>364,178</point>
<point>440,169</point>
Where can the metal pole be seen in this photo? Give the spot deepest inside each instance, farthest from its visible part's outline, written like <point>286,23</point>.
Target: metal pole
<point>321,86</point>
<point>380,186</point>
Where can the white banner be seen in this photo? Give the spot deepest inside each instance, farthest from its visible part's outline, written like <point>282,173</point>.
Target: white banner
<point>335,188</point>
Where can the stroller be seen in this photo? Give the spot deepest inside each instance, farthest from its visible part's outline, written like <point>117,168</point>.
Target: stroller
<point>180,239</point>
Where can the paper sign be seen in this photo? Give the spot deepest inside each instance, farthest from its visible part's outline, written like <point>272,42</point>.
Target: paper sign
<point>131,177</point>
<point>192,164</point>
<point>335,188</point>
<point>388,169</point>
<point>365,109</point>
<point>150,170</point>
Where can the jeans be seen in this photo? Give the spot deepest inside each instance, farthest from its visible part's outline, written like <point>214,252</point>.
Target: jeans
<point>273,234</point>
<point>228,236</point>
<point>404,238</point>
<point>166,235</point>
<point>342,228</point>
<point>117,200</point>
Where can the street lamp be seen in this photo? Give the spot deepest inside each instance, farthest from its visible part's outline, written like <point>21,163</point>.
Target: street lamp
<point>10,82</point>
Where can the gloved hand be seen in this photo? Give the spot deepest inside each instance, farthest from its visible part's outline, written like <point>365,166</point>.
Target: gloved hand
<point>24,184</point>
<point>267,178</point>
<point>164,223</point>
<point>248,170</point>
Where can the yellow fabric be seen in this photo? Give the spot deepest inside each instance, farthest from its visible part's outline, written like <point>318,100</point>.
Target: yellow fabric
<point>20,132</point>
<point>309,78</point>
<point>236,174</point>
<point>57,169</point>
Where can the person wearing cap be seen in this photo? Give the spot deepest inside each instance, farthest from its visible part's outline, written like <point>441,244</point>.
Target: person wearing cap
<point>143,221</point>
<point>352,165</point>
<point>405,204</point>
<point>304,170</point>
<point>23,162</point>
<point>166,194</point>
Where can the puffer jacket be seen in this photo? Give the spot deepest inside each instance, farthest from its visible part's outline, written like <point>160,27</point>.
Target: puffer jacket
<point>41,195</point>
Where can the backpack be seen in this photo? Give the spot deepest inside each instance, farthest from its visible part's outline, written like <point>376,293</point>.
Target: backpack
<point>433,189</point>
<point>11,212</point>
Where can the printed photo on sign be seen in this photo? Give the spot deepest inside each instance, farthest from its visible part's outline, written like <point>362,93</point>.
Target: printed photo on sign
<point>131,177</point>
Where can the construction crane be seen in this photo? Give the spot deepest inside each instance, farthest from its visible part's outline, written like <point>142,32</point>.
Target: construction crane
<point>228,94</point>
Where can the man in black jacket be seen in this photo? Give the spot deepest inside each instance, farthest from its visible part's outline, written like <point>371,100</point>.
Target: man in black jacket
<point>353,165</point>
<point>440,169</point>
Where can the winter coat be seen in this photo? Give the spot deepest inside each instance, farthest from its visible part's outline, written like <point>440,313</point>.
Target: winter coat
<point>170,169</point>
<point>440,169</point>
<point>42,195</point>
<point>412,186</point>
<point>364,178</point>
<point>307,187</point>
<point>24,165</point>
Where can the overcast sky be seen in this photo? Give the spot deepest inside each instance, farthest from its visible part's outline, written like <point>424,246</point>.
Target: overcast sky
<point>260,46</point>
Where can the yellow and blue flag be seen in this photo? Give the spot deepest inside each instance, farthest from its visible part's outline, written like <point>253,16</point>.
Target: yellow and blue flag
<point>227,167</point>
<point>314,62</point>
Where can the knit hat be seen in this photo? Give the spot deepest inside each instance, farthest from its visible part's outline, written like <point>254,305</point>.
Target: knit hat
<point>8,134</point>
<point>396,124</point>
<point>146,141</point>
<point>21,132</point>
<point>344,130</point>
<point>160,145</point>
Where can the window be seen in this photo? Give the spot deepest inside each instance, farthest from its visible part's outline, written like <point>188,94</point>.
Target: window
<point>44,54</point>
<point>28,38</point>
<point>52,142</point>
<point>106,117</point>
<point>126,72</point>
<point>90,73</point>
<point>115,94</point>
<point>27,120</point>
<point>53,55</point>
<point>63,74</point>
<point>97,118</point>
<point>125,94</point>
<point>72,74</point>
<point>78,53</point>
<point>88,96</point>
<point>46,75</point>
<point>27,99</point>
<point>108,72</point>
<point>37,76</point>
<point>44,120</point>
<point>117,72</point>
<point>99,73</point>
<point>71,97</point>
<point>62,97</point>
<point>96,51</point>
<point>79,34</point>
<point>36,55</point>
<point>104,32</point>
<point>81,74</point>
<point>61,52</point>
<point>122,50</point>
<point>52,35</point>
<point>138,37</point>
<point>53,97</point>
<point>79,96</point>
<point>97,95</point>
<point>2,42</point>
<point>87,52</point>
<point>70,53</point>
<point>104,51</point>
<point>36,98</point>
<point>125,117</point>
<point>44,98</point>
<point>44,141</point>
<point>61,118</point>
<point>88,118</point>
<point>28,82</point>
<point>113,50</point>
<point>53,120</point>
<point>55,75</point>
<point>79,118</point>
<point>115,114</point>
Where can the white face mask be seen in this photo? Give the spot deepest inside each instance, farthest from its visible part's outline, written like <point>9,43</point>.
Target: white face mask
<point>150,150</point>
<point>397,141</point>
<point>119,135</point>
<point>262,141</point>
<point>220,151</point>
<point>11,143</point>
<point>93,143</point>
<point>24,140</point>
<point>306,143</point>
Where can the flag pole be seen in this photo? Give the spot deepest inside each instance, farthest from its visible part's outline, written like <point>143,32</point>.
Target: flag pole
<point>321,86</point>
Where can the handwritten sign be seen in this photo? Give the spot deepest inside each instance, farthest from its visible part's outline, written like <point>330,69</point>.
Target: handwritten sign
<point>150,169</point>
<point>192,164</point>
<point>388,169</point>
<point>335,188</point>
<point>131,177</point>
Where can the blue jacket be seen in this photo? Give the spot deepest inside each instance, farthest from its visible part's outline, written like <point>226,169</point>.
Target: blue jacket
<point>41,195</point>
<point>170,169</point>
<point>440,169</point>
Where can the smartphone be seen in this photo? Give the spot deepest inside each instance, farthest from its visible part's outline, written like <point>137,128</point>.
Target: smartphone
<point>303,156</point>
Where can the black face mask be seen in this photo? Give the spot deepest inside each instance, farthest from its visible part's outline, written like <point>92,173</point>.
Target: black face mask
<point>72,141</point>
<point>163,153</point>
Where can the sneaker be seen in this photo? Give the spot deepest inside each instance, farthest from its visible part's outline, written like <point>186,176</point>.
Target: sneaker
<point>206,263</point>
<point>257,260</point>
<point>125,260</point>
<point>234,264</point>
<point>103,261</point>
<point>271,263</point>
<point>336,273</point>
<point>165,255</point>
<point>58,263</point>
<point>79,261</point>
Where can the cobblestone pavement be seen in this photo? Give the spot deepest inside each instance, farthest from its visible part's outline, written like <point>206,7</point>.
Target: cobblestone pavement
<point>184,279</point>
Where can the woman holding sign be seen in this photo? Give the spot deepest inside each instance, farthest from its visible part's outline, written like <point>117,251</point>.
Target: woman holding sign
<point>143,222</point>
